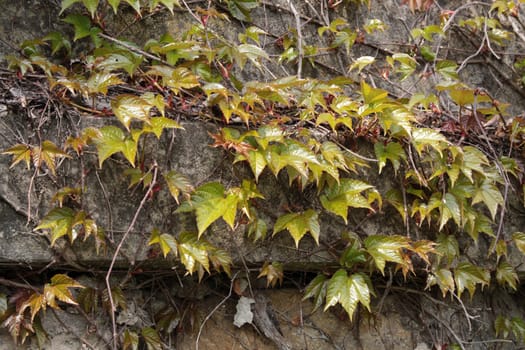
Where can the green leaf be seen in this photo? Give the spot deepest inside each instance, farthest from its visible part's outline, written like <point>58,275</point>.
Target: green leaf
<point>393,151</point>
<point>348,291</point>
<point>506,275</point>
<point>489,194</point>
<point>59,289</point>
<point>166,241</point>
<point>257,229</point>
<point>113,140</point>
<point>177,183</point>
<point>59,221</point>
<point>151,338</point>
<point>298,224</point>
<point>273,272</point>
<point>386,248</point>
<point>372,95</point>
<point>3,305</point>
<point>125,60</point>
<point>114,4</point>
<point>352,255</point>
<point>519,240</point>
<point>129,107</point>
<point>169,4</point>
<point>58,41</point>
<point>348,193</point>
<point>240,9</point>
<point>82,25</point>
<point>362,62</point>
<point>425,137</point>
<point>192,252</point>
<point>252,53</point>
<point>20,152</point>
<point>131,340</point>
<point>468,276</point>
<point>449,208</point>
<point>158,124</point>
<point>175,78</point>
<point>448,247</point>
<point>444,279</point>
<point>317,289</point>
<point>99,82</point>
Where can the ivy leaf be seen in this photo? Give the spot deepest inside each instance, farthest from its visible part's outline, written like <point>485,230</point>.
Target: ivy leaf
<point>386,248</point>
<point>519,241</point>
<point>338,198</point>
<point>151,338</point>
<point>113,140</point>
<point>114,4</point>
<point>58,41</point>
<point>449,208</point>
<point>166,241</point>
<point>352,255</point>
<point>192,252</point>
<point>59,221</point>
<point>298,224</point>
<point>490,195</point>
<point>240,9</point>
<point>3,304</point>
<point>273,272</point>
<point>372,95</point>
<point>125,60</point>
<point>35,302</point>
<point>99,82</point>
<point>158,124</point>
<point>505,274</point>
<point>177,183</point>
<point>20,152</point>
<point>168,3</point>
<point>47,154</point>
<point>393,151</point>
<point>316,289</point>
<point>129,107</point>
<point>362,62</point>
<point>82,25</point>
<point>175,78</point>
<point>219,258</point>
<point>59,289</point>
<point>468,276</point>
<point>348,291</point>
<point>448,247</point>
<point>131,340</point>
<point>425,137</point>
<point>257,229</point>
<point>444,279</point>
<point>251,52</point>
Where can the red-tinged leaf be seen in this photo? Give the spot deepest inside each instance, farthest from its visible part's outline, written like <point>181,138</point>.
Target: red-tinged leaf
<point>298,224</point>
<point>386,248</point>
<point>20,152</point>
<point>130,107</point>
<point>47,154</point>
<point>273,272</point>
<point>151,338</point>
<point>167,242</point>
<point>36,302</point>
<point>59,289</point>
